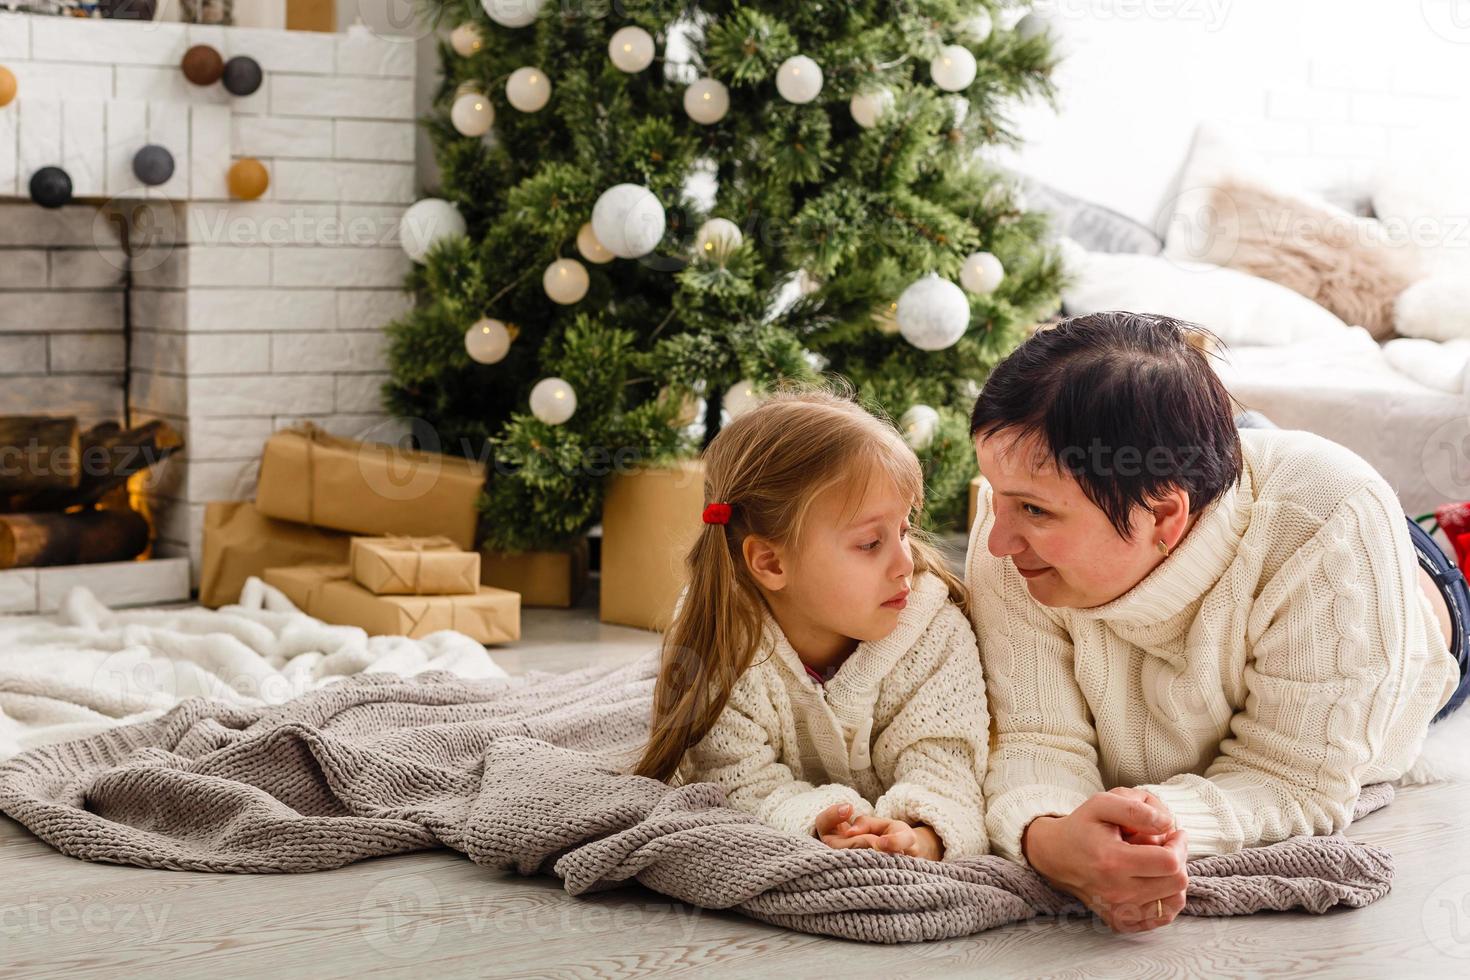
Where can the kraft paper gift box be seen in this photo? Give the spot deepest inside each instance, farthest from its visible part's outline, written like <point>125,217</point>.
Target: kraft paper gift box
<point>414,566</point>
<point>650,520</point>
<point>240,541</point>
<point>543,578</point>
<point>328,593</point>
<point>310,476</point>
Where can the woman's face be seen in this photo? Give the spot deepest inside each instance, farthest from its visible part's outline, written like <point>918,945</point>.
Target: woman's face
<point>1060,541</point>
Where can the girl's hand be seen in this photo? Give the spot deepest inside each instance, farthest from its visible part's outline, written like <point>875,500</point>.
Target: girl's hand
<point>896,837</point>
<point>833,824</point>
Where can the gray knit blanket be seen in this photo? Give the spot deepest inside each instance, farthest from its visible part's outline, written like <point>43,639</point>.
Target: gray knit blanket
<point>523,774</point>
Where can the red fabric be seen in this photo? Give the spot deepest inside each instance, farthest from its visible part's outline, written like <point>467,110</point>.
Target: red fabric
<point>1454,520</point>
<point>717,514</point>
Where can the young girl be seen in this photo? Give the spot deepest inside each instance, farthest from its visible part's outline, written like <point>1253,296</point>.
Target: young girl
<point>820,666</point>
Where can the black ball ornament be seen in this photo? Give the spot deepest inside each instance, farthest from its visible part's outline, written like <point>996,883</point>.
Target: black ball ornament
<point>51,187</point>
<point>153,165</point>
<point>242,75</point>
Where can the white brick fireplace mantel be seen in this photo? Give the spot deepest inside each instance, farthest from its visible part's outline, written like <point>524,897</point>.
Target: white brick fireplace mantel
<point>227,318</point>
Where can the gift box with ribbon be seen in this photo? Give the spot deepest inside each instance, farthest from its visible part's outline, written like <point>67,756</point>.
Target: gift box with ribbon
<point>397,565</point>
<point>310,476</point>
<point>328,593</point>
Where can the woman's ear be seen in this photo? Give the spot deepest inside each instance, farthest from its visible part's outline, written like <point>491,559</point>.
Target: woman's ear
<point>764,561</point>
<point>1171,517</point>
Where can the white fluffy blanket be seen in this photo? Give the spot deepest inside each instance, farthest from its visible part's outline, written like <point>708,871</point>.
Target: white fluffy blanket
<point>88,668</point>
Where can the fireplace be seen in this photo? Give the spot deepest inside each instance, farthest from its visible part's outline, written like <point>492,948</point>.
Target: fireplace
<point>221,318</point>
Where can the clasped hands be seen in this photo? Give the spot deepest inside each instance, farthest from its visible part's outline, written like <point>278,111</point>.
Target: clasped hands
<point>1120,853</point>
<point>837,828</point>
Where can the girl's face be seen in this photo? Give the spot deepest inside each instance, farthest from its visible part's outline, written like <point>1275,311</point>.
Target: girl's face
<point>849,576</point>
<point>1062,543</point>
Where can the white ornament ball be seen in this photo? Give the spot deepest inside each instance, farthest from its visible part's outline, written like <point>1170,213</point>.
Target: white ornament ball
<point>799,79</point>
<point>466,39</point>
<point>717,238</point>
<point>553,401</point>
<point>513,13</point>
<point>629,220</point>
<point>565,281</point>
<point>707,100</point>
<point>487,341</point>
<point>741,397</point>
<point>868,107</point>
<point>977,27</point>
<point>426,223</point>
<point>472,114</point>
<point>953,69</point>
<point>919,426</point>
<point>981,273</point>
<point>933,313</point>
<point>1032,25</point>
<point>592,250</point>
<point>631,49</point>
<point>528,89</point>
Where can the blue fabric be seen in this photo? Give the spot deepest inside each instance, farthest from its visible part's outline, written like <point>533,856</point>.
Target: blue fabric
<point>1456,594</point>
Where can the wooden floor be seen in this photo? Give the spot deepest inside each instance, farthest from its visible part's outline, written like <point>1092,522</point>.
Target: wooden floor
<point>438,915</point>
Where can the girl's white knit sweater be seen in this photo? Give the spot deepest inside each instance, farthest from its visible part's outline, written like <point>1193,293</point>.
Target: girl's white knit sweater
<point>900,731</point>
<point>1280,659</point>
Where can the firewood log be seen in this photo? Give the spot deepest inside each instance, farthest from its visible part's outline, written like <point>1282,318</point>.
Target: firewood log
<point>77,537</point>
<point>109,455</point>
<point>38,453</point>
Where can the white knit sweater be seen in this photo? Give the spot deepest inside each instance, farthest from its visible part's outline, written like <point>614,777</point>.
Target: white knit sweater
<point>900,731</point>
<point>1279,659</point>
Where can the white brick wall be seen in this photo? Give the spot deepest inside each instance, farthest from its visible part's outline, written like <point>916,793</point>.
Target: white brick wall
<point>244,316</point>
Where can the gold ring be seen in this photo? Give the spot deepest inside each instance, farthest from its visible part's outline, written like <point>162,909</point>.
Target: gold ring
<point>1159,911</point>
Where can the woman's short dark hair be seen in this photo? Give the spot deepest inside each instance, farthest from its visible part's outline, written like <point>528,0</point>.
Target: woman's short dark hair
<point>1125,404</point>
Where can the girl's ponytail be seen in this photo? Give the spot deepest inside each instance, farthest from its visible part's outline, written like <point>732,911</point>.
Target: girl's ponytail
<point>715,632</point>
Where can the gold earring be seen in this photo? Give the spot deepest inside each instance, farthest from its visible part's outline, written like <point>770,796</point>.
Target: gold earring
<point>1163,548</point>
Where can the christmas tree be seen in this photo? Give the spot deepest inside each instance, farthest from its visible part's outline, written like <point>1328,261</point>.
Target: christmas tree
<point>657,211</point>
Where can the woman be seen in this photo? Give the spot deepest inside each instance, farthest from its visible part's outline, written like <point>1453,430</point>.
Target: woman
<point>1226,631</point>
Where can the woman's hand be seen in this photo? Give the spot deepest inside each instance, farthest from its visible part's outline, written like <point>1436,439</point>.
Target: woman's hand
<point>836,828</point>
<point>1119,853</point>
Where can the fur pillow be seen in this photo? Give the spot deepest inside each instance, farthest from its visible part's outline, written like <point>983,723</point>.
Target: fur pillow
<point>1339,261</point>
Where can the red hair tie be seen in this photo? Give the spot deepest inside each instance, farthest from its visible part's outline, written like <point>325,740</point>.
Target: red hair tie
<point>717,514</point>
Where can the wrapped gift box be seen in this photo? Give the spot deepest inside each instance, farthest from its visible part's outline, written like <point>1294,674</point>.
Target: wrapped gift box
<point>414,566</point>
<point>328,593</point>
<point>543,578</point>
<point>974,501</point>
<point>239,542</point>
<point>310,476</point>
<point>649,522</point>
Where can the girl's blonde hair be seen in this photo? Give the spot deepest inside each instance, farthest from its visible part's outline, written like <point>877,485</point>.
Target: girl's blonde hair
<point>769,465</point>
